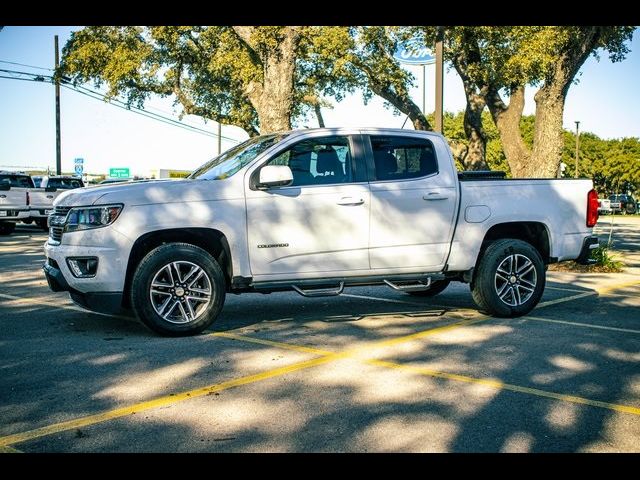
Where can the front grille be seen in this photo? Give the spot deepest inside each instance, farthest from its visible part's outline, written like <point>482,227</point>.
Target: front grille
<point>55,232</point>
<point>61,211</point>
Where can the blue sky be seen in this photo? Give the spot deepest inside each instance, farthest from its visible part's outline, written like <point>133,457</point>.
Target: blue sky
<point>605,101</point>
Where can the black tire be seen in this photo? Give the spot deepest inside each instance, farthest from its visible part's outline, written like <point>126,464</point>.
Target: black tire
<point>42,223</point>
<point>152,265</point>
<point>7,228</point>
<point>630,208</point>
<point>436,287</point>
<point>487,286</point>
<point>28,221</point>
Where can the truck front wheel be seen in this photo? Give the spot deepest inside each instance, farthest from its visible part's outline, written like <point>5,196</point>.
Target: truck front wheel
<point>509,278</point>
<point>177,289</point>
<point>7,228</point>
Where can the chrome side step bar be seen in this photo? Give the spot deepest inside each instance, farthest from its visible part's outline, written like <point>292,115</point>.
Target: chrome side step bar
<point>332,286</point>
<point>320,292</point>
<point>413,287</point>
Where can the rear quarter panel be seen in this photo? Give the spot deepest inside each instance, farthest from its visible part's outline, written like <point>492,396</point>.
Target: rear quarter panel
<point>560,205</point>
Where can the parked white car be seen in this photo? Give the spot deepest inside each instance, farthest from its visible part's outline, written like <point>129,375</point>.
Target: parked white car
<point>41,198</point>
<point>314,211</point>
<point>14,206</point>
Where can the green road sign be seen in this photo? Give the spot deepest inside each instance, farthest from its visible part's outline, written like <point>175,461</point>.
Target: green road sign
<point>119,172</point>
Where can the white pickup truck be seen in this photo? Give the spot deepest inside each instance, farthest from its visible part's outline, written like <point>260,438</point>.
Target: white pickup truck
<point>14,200</point>
<point>315,211</point>
<point>41,199</point>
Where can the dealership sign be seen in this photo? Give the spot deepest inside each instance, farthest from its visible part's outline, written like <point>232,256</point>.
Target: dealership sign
<point>413,53</point>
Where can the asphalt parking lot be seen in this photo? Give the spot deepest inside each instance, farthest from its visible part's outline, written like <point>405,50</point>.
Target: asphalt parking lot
<point>373,370</point>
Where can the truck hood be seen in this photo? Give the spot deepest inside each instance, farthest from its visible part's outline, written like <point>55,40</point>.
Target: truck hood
<point>146,192</point>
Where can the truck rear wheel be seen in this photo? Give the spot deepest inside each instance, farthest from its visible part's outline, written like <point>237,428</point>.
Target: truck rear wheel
<point>42,223</point>
<point>509,278</point>
<point>7,228</point>
<point>178,289</point>
<point>436,288</point>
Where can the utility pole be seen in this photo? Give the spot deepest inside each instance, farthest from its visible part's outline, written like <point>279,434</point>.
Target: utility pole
<point>219,138</point>
<point>439,69</point>
<point>424,90</point>
<point>58,142</point>
<point>577,147</point>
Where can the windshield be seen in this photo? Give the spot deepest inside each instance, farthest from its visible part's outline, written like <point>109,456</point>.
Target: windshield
<point>23,181</point>
<point>235,158</point>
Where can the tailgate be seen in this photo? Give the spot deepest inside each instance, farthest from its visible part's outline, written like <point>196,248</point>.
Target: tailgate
<point>39,198</point>
<point>14,199</point>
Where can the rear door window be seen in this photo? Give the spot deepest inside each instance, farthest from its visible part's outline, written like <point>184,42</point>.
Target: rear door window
<point>402,158</point>
<point>20,181</point>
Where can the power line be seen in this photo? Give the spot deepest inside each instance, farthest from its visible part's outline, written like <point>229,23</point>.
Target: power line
<point>24,79</point>
<point>115,102</point>
<point>25,65</point>
<point>149,113</point>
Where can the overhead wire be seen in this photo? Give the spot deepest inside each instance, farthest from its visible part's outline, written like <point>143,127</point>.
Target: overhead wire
<point>112,101</point>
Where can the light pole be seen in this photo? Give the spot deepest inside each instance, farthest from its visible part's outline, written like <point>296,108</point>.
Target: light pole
<point>577,147</point>
<point>439,69</point>
<point>58,143</point>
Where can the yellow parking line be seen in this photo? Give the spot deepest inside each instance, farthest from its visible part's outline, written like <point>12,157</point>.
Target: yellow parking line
<point>493,383</point>
<point>499,385</point>
<point>179,397</point>
<point>13,298</point>
<point>30,301</point>
<point>157,402</point>
<point>605,290</point>
<point>260,341</point>
<point>7,449</point>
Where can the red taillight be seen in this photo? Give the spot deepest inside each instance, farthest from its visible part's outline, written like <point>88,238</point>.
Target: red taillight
<point>27,198</point>
<point>592,208</point>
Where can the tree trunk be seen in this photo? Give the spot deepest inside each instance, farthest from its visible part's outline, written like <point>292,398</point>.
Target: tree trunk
<point>507,120</point>
<point>548,139</point>
<point>402,103</point>
<point>318,111</point>
<point>273,97</point>
<point>475,157</point>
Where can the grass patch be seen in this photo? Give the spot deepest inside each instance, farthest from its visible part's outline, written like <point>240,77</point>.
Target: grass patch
<point>606,262</point>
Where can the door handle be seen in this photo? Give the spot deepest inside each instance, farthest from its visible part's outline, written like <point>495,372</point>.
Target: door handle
<point>435,196</point>
<point>350,201</point>
<point>49,196</point>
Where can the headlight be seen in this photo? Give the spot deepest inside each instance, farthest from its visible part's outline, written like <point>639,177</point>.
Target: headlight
<point>85,218</point>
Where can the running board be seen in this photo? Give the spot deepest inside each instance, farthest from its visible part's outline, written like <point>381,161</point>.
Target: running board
<point>331,286</point>
<point>415,287</point>
<point>320,292</point>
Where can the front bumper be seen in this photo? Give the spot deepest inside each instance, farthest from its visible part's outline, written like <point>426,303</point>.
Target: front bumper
<point>103,302</point>
<point>40,212</point>
<point>588,244</point>
<point>13,215</point>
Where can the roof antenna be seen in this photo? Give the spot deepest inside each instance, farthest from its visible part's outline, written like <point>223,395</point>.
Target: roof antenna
<point>405,121</point>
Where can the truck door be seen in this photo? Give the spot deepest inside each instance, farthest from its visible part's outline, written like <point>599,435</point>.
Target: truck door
<point>412,204</point>
<point>320,223</point>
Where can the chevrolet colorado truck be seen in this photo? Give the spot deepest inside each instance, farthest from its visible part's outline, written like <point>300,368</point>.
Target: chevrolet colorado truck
<point>314,211</point>
<point>14,200</point>
<point>41,199</point>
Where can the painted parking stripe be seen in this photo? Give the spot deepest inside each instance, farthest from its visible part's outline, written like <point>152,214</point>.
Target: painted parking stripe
<point>565,299</point>
<point>7,449</point>
<point>585,325</point>
<point>172,399</point>
<point>493,383</point>
<point>499,385</point>
<point>47,304</point>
